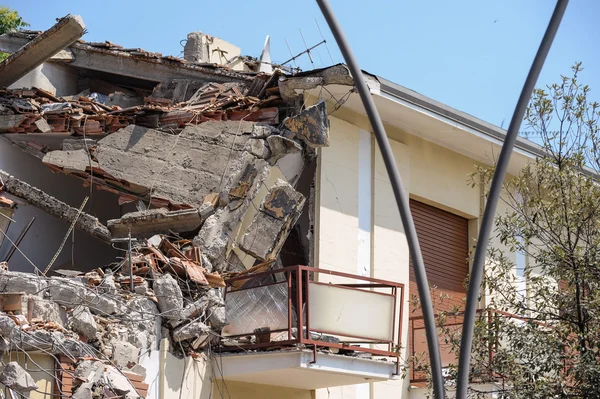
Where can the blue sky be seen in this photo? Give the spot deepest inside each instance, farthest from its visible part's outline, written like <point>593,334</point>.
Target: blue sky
<point>470,54</point>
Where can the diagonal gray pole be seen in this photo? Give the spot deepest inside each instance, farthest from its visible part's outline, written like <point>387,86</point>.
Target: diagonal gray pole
<point>401,199</point>
<point>487,222</point>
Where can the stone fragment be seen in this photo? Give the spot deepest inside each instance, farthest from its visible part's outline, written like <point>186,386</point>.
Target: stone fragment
<point>125,354</point>
<point>192,330</point>
<point>170,298</point>
<point>192,311</point>
<point>43,126</point>
<point>143,323</point>
<point>281,146</point>
<point>22,282</point>
<point>278,213</point>
<point>15,377</point>
<point>66,292</point>
<point>83,322</point>
<point>311,125</point>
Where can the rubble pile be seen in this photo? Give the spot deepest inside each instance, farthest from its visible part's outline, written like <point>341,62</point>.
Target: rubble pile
<point>96,318</point>
<point>90,113</point>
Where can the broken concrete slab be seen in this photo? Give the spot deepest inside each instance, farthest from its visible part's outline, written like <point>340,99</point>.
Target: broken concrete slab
<point>278,213</point>
<point>11,121</point>
<point>70,161</point>
<point>311,125</point>
<point>170,298</point>
<point>54,207</point>
<point>16,378</point>
<point>153,221</point>
<point>6,325</point>
<point>62,34</point>
<point>22,282</point>
<point>83,322</point>
<point>100,303</point>
<point>204,154</point>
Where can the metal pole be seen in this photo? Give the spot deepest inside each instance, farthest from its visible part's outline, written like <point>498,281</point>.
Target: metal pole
<point>401,199</point>
<point>130,263</point>
<point>18,241</point>
<point>487,222</point>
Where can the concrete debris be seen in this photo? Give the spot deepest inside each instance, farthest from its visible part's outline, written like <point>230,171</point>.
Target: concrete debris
<point>53,206</point>
<point>211,163</point>
<point>83,322</point>
<point>15,377</point>
<point>278,213</point>
<point>311,125</point>
<point>154,221</point>
<point>125,354</point>
<point>170,298</point>
<point>195,329</point>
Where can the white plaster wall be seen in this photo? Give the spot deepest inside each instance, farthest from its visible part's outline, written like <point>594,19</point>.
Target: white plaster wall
<point>56,78</point>
<point>430,173</point>
<point>44,238</point>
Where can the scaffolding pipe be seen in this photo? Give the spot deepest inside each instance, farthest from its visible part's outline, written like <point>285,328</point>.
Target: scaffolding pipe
<point>399,194</point>
<point>487,222</point>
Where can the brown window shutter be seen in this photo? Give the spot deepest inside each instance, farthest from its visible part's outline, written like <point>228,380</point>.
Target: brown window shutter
<point>444,242</point>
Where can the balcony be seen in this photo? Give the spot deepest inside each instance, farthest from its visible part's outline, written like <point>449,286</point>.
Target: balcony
<point>286,329</point>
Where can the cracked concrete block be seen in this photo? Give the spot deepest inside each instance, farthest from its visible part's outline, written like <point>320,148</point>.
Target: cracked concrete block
<point>192,311</point>
<point>125,354</point>
<point>73,347</point>
<point>15,377</point>
<point>22,282</point>
<point>66,292</point>
<point>281,146</point>
<point>47,310</point>
<point>278,213</point>
<point>143,323</point>
<point>311,125</point>
<point>170,298</point>
<point>108,285</point>
<point>83,322</point>
<point>195,329</point>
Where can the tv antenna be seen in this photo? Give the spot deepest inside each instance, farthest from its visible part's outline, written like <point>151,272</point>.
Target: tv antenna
<point>308,50</point>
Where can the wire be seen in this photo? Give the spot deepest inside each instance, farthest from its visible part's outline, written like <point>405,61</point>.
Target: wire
<point>401,199</point>
<point>487,221</point>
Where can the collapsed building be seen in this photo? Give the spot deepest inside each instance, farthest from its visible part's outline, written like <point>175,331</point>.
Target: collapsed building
<point>211,169</point>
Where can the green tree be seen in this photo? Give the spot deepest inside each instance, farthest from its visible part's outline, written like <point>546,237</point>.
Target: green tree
<point>542,339</point>
<point>10,21</point>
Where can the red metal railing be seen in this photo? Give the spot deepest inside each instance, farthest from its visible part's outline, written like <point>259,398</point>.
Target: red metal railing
<point>300,282</point>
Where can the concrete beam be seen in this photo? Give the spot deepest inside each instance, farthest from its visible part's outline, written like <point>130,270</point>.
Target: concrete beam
<point>39,199</point>
<point>44,46</point>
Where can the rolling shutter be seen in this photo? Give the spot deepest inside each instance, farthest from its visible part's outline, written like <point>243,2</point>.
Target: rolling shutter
<point>443,237</point>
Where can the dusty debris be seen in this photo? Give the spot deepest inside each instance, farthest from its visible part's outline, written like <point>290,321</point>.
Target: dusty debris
<point>15,377</point>
<point>155,221</point>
